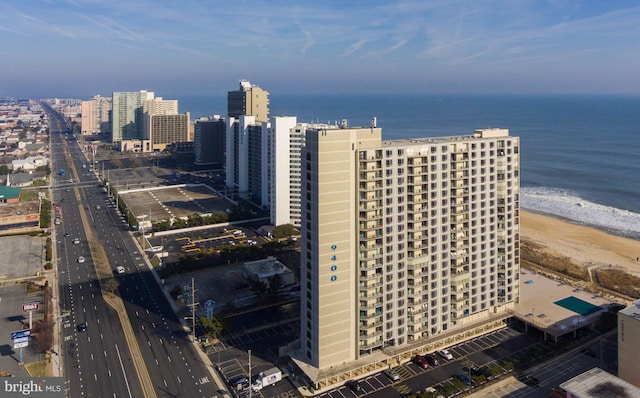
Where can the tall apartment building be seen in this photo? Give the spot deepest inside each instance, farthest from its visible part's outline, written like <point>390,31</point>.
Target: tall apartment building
<point>285,139</point>
<point>127,116</point>
<point>243,163</point>
<point>628,341</point>
<point>165,130</point>
<point>249,100</point>
<point>403,240</point>
<point>210,141</point>
<point>95,115</point>
<point>153,107</point>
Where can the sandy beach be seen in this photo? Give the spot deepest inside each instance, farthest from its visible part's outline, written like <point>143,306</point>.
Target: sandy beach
<point>585,245</point>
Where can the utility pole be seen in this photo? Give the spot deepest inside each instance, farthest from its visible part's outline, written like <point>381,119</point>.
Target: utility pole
<point>250,380</point>
<point>193,309</point>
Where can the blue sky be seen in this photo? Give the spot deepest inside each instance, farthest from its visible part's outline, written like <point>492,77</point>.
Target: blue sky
<point>85,47</point>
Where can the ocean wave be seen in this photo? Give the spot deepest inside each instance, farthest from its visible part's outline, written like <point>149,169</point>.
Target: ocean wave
<point>568,205</point>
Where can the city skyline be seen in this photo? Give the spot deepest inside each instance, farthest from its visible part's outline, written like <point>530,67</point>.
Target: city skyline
<point>82,48</point>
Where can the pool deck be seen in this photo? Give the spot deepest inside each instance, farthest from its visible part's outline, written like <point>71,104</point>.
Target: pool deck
<point>537,304</point>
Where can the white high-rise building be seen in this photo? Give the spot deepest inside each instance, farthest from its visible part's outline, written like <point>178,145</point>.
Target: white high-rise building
<point>243,155</point>
<point>281,184</point>
<point>403,239</point>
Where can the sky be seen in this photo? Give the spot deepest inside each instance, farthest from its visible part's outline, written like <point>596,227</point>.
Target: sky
<point>80,48</point>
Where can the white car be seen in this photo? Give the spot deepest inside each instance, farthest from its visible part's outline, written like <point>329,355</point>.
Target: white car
<point>392,374</point>
<point>120,269</point>
<point>76,241</point>
<point>81,259</point>
<point>445,354</point>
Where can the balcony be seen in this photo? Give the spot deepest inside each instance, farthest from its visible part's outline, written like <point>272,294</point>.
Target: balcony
<point>369,285</point>
<point>371,276</point>
<point>370,305</point>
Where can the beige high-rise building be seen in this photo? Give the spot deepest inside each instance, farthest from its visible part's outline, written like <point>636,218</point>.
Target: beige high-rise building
<point>95,115</point>
<point>403,240</point>
<point>628,341</point>
<point>153,107</point>
<point>168,129</point>
<point>249,100</point>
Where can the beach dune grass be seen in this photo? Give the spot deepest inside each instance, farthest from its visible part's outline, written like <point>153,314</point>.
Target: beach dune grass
<point>619,281</point>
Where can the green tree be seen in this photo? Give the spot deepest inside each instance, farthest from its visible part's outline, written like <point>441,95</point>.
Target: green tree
<point>259,288</point>
<point>211,326</point>
<point>275,282</point>
<point>282,231</point>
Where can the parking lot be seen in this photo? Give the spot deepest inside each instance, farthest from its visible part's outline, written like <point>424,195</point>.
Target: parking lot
<point>163,203</point>
<point>497,350</point>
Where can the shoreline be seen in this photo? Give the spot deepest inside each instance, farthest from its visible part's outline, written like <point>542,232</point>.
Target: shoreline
<point>585,245</point>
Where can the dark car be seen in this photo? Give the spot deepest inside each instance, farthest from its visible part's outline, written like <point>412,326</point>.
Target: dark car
<point>353,385</point>
<point>82,327</point>
<point>239,383</point>
<point>464,378</point>
<point>421,361</point>
<point>432,360</point>
<point>66,234</point>
<point>529,380</point>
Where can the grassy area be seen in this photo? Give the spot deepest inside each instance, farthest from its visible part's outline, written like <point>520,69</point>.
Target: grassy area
<point>619,281</point>
<point>533,255</point>
<point>38,369</point>
<point>537,257</point>
<point>26,196</point>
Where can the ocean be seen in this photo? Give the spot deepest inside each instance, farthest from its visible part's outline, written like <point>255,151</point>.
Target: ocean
<point>580,155</point>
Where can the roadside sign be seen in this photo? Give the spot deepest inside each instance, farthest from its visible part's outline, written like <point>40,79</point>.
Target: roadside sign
<point>20,334</point>
<point>29,307</point>
<point>209,306</point>
<point>21,345</point>
<point>20,340</point>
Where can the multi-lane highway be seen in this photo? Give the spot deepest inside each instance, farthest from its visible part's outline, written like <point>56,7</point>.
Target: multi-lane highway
<point>138,349</point>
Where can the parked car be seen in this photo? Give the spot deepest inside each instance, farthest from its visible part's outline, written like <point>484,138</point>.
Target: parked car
<point>353,385</point>
<point>464,378</point>
<point>392,374</point>
<point>421,361</point>
<point>445,354</point>
<point>433,361</point>
<point>239,383</point>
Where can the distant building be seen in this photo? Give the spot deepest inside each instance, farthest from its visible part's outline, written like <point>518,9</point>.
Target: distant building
<point>167,129</point>
<point>596,383</point>
<point>244,145</point>
<point>281,165</point>
<point>29,163</point>
<point>249,100</point>
<point>127,115</point>
<point>156,107</point>
<point>9,194</point>
<point>96,114</point>
<point>265,269</point>
<point>209,141</point>
<point>628,343</point>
